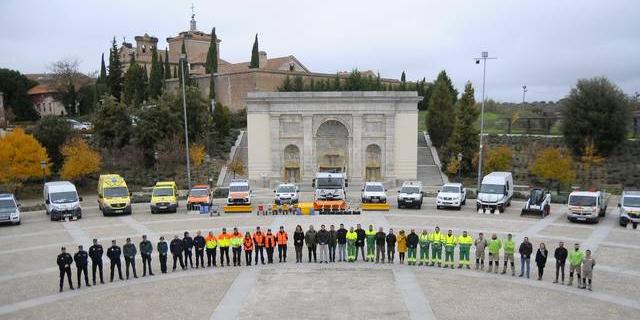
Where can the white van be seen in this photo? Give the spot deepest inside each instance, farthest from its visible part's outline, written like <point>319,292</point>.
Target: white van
<point>587,206</point>
<point>61,200</point>
<point>495,192</point>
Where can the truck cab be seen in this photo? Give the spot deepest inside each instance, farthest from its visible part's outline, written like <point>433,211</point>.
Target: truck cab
<point>330,191</point>
<point>586,206</point>
<point>496,191</point>
<point>239,192</point>
<point>113,195</point>
<point>629,208</point>
<point>410,194</point>
<point>61,200</point>
<point>164,197</point>
<point>374,192</point>
<point>286,193</point>
<point>198,195</point>
<point>452,195</point>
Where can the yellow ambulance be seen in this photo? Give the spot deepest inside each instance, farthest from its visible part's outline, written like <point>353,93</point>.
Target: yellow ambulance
<point>164,197</point>
<point>113,195</point>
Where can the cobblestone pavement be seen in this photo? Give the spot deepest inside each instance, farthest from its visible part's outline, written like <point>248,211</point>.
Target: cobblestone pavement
<point>29,277</point>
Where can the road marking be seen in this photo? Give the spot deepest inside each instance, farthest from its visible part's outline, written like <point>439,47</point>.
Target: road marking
<point>597,236</point>
<point>540,225</point>
<point>27,274</point>
<point>413,296</point>
<point>234,299</point>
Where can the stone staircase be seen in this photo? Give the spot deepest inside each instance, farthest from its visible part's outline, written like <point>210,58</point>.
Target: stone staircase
<point>428,168</point>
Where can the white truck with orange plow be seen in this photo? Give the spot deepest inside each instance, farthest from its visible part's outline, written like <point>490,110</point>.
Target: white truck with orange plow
<point>330,194</point>
<point>239,198</point>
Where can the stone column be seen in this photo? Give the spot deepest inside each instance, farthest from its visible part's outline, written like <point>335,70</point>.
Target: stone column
<point>388,161</point>
<point>308,163</point>
<point>356,161</point>
<point>276,149</point>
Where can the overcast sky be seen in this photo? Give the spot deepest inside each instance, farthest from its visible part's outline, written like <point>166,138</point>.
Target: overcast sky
<point>545,45</point>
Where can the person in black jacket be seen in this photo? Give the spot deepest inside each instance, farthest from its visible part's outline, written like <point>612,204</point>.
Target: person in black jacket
<point>95,253</point>
<point>162,254</point>
<point>541,259</point>
<point>114,253</point>
<point>198,243</point>
<point>381,238</point>
<point>412,245</point>
<point>322,238</point>
<point>391,246</point>
<point>333,241</point>
<point>560,254</point>
<point>187,244</point>
<point>129,251</point>
<point>64,261</point>
<point>298,242</point>
<point>360,241</point>
<point>177,247</point>
<point>146,248</point>
<point>525,250</point>
<point>342,243</point>
<point>82,259</point>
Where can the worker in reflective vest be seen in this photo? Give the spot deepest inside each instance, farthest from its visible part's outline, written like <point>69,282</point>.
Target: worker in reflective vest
<point>224,241</point>
<point>465,242</point>
<point>210,243</point>
<point>283,238</point>
<point>436,239</point>
<point>352,236</point>
<point>236,247</point>
<point>248,248</point>
<point>424,248</point>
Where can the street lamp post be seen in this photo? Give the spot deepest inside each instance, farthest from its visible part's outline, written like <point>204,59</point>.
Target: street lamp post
<point>207,159</point>
<point>484,57</point>
<point>43,166</point>
<point>183,57</point>
<point>155,163</point>
<point>460,166</point>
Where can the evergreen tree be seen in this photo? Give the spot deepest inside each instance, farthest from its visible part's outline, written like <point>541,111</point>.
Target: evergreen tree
<point>403,81</point>
<point>298,83</point>
<point>114,78</point>
<point>161,67</point>
<point>378,83</point>
<point>442,76</point>
<point>212,56</point>
<point>155,79</point>
<point>134,87</point>
<point>286,85</point>
<point>464,139</point>
<point>212,86</point>
<point>440,114</point>
<point>336,83</point>
<point>175,72</point>
<point>102,78</point>
<point>112,123</point>
<point>255,55</point>
<point>167,66</point>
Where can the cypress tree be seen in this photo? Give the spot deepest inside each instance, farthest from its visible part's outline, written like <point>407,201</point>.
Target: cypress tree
<point>298,83</point>
<point>286,85</point>
<point>464,138</point>
<point>403,81</point>
<point>134,87</point>
<point>155,79</point>
<point>114,78</point>
<point>184,66</point>
<point>161,67</point>
<point>255,55</point>
<point>102,78</point>
<point>167,66</point>
<point>212,86</point>
<point>442,76</point>
<point>438,117</point>
<point>212,56</point>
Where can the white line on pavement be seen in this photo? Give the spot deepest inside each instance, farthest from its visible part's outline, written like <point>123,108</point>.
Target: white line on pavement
<point>413,296</point>
<point>597,236</point>
<point>233,300</point>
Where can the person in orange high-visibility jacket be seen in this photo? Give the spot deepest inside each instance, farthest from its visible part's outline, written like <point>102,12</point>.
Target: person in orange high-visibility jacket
<point>270,245</point>
<point>282,238</point>
<point>248,247</point>
<point>210,243</point>
<point>224,241</point>
<point>258,244</point>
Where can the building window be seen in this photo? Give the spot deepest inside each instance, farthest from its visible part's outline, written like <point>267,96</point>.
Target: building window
<point>291,66</point>
<point>144,48</point>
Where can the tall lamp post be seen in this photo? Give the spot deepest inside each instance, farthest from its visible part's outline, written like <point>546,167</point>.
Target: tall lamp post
<point>524,93</point>
<point>183,57</point>
<point>460,166</point>
<point>484,57</point>
<point>155,164</point>
<point>43,166</point>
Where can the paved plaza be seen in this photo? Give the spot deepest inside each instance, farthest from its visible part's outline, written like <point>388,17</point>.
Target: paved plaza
<point>29,277</point>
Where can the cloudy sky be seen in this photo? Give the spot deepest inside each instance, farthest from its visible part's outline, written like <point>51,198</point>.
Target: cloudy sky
<point>545,45</point>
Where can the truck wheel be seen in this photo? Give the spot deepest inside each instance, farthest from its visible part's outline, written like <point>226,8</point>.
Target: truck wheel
<point>459,207</point>
<point>634,225</point>
<point>437,207</point>
<point>464,202</point>
<point>492,210</point>
<point>622,224</point>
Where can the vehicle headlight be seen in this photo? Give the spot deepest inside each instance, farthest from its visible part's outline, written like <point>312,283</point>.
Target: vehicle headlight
<point>15,214</point>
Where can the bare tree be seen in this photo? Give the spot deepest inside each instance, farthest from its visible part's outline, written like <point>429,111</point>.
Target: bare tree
<point>66,80</point>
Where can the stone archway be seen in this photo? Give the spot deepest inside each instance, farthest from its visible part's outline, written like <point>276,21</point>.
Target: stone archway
<point>332,146</point>
<point>291,163</point>
<point>373,163</point>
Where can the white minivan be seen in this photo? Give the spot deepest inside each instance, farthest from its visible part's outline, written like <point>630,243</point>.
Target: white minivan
<point>496,191</point>
<point>61,200</point>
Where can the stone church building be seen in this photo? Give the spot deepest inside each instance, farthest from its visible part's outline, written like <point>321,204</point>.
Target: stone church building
<point>233,80</point>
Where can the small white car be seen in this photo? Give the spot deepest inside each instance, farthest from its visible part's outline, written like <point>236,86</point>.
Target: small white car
<point>410,194</point>
<point>80,126</point>
<point>286,193</point>
<point>374,192</point>
<point>9,209</point>
<point>452,195</point>
<point>629,208</point>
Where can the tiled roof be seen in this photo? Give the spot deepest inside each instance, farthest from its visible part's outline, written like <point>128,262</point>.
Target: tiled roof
<point>272,64</point>
<point>41,89</point>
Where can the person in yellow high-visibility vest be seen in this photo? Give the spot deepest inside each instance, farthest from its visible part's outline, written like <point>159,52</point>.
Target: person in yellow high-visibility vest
<point>436,239</point>
<point>352,236</point>
<point>211,242</point>
<point>371,243</point>
<point>450,242</point>
<point>424,247</point>
<point>465,242</point>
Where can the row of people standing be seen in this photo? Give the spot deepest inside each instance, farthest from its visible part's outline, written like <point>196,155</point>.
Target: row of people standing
<point>348,244</point>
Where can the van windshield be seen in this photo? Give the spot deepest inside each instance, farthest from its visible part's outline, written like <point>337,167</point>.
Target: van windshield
<point>329,183</point>
<point>162,192</point>
<point>116,192</point>
<point>63,197</point>
<point>239,188</point>
<point>286,189</point>
<point>582,201</point>
<point>7,205</point>
<point>631,202</point>
<point>492,188</point>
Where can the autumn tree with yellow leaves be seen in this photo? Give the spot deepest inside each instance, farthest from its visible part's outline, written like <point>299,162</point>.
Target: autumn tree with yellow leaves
<point>554,165</point>
<point>498,159</point>
<point>197,153</point>
<point>79,160</point>
<point>237,167</point>
<point>20,156</point>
